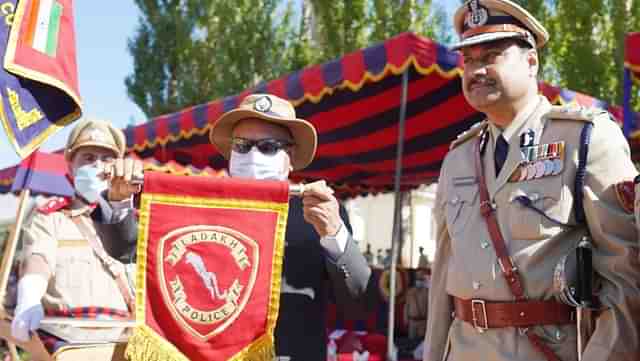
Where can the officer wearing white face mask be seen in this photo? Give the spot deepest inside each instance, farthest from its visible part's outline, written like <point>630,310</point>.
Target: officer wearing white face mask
<point>71,244</point>
<point>263,139</point>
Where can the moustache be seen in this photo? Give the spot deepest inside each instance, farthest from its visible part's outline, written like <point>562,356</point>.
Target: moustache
<point>481,82</point>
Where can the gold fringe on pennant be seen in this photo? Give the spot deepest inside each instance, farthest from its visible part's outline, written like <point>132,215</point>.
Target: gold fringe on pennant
<point>147,345</point>
<point>261,349</point>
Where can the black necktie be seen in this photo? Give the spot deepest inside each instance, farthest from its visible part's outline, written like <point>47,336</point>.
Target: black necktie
<point>502,149</point>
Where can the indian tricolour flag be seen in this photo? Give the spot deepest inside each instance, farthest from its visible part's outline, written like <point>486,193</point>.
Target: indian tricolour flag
<point>44,26</point>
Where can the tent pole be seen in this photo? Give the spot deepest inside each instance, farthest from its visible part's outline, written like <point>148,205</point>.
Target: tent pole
<point>397,219</point>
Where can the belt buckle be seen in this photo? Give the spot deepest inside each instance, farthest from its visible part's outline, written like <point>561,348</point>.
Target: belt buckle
<point>483,305</point>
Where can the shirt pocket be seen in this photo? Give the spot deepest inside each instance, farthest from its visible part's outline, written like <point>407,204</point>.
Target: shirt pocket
<point>538,208</point>
<point>73,269</point>
<point>459,207</point>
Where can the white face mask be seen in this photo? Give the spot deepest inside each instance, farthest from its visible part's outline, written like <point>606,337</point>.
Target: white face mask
<point>88,184</point>
<point>256,165</point>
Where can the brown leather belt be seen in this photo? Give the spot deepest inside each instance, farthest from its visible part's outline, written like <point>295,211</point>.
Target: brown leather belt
<point>487,314</point>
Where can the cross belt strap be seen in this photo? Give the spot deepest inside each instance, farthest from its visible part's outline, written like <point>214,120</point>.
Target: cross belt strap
<point>116,268</point>
<point>509,270</point>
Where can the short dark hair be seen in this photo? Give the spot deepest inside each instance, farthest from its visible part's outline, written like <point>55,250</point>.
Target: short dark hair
<point>522,44</point>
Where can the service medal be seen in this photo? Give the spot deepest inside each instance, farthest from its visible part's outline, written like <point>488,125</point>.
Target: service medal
<point>548,167</point>
<point>557,166</point>
<point>539,169</point>
<point>531,171</point>
<point>523,172</point>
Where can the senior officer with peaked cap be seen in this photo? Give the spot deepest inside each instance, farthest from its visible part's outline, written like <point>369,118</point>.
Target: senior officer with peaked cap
<point>492,295</point>
<point>263,139</point>
<point>70,244</point>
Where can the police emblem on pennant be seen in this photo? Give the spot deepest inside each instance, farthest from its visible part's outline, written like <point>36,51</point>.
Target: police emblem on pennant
<point>263,104</point>
<point>478,14</point>
<point>207,274</point>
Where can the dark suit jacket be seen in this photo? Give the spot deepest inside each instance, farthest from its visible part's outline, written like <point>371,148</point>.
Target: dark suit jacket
<point>308,273</point>
<point>118,237</point>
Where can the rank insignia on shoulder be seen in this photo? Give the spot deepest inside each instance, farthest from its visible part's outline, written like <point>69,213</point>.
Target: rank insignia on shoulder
<point>539,161</point>
<point>574,113</point>
<point>625,192</point>
<point>54,204</point>
<point>468,134</point>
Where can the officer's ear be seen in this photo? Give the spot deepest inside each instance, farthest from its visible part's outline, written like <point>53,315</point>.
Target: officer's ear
<point>532,60</point>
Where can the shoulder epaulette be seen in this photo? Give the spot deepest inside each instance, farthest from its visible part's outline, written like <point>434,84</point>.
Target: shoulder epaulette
<point>54,204</point>
<point>574,113</point>
<point>468,134</point>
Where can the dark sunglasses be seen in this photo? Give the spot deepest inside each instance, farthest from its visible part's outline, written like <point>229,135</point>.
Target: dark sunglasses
<point>268,146</point>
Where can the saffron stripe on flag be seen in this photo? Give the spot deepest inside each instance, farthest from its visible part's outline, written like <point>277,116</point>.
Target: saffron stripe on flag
<point>32,21</point>
<point>42,28</point>
<point>54,29</point>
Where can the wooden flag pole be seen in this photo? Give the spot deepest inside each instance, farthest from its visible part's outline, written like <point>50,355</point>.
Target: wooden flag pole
<point>11,245</point>
<point>7,261</point>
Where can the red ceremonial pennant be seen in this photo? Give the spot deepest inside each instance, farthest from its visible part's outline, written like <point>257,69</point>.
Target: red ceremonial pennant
<point>209,268</point>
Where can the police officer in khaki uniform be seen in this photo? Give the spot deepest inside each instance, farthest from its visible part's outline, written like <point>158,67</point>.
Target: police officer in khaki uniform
<point>416,305</point>
<point>69,243</point>
<point>493,302</point>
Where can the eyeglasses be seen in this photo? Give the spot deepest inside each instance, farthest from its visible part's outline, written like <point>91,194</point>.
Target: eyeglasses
<point>268,146</point>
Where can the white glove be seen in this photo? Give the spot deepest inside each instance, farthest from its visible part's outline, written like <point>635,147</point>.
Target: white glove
<point>357,356</point>
<point>29,311</point>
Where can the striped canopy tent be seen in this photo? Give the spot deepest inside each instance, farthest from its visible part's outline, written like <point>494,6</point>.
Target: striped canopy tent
<point>354,103</point>
<point>631,77</point>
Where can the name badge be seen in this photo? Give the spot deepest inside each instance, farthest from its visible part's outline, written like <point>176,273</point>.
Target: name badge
<point>465,181</point>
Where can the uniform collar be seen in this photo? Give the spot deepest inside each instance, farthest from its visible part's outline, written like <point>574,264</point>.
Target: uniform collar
<point>517,123</point>
<point>79,207</point>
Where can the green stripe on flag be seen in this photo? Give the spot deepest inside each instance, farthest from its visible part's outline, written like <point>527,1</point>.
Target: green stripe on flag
<point>54,29</point>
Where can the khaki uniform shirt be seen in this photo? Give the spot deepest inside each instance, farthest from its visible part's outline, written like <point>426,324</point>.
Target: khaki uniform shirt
<point>466,264</point>
<point>78,276</point>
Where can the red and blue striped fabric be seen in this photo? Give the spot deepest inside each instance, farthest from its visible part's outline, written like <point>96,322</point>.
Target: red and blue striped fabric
<point>631,75</point>
<point>354,103</point>
<point>43,173</point>
<point>632,55</point>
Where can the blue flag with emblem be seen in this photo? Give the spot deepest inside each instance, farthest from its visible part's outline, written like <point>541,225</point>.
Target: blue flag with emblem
<point>38,81</point>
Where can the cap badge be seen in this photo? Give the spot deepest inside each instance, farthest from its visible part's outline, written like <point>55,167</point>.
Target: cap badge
<point>263,104</point>
<point>478,14</point>
<point>96,135</point>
